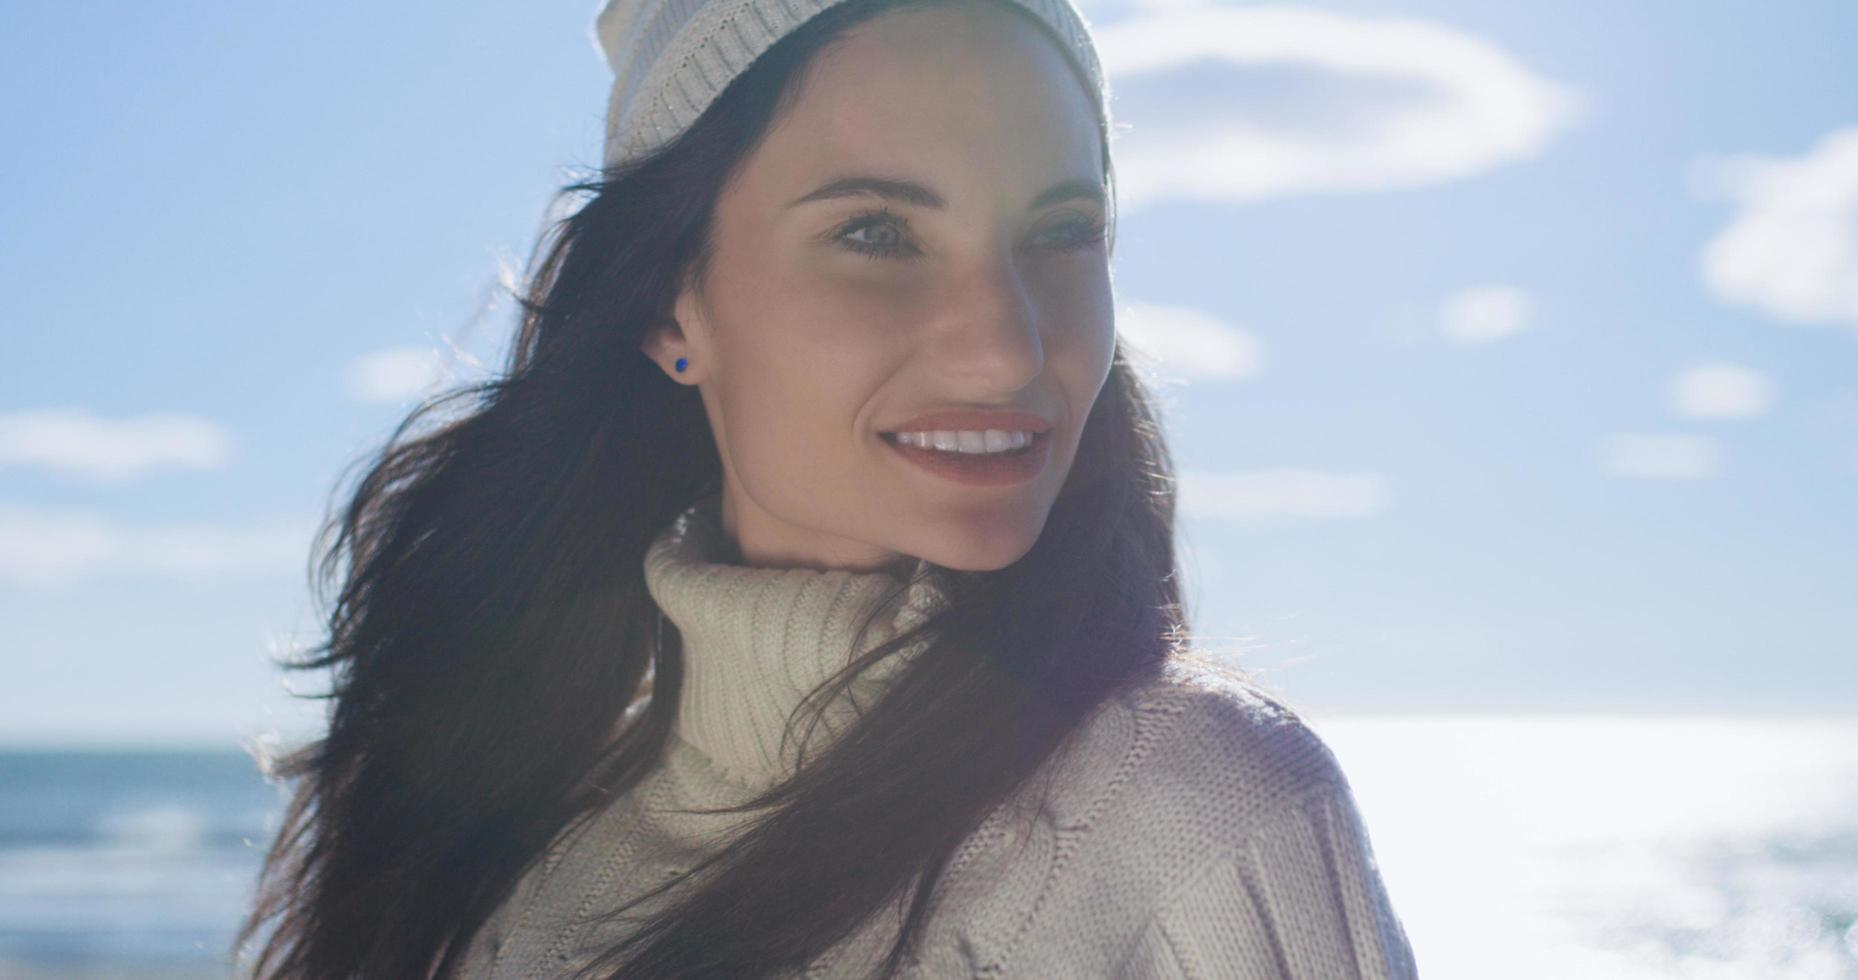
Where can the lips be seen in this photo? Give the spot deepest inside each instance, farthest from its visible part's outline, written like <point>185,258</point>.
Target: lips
<point>979,469</point>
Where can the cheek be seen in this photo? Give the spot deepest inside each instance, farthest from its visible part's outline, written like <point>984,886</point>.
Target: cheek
<point>1081,341</point>
<point>825,299</point>
<point>825,337</point>
<point>799,366</point>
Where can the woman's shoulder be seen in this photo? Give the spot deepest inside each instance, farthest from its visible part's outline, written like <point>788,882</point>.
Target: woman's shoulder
<point>1199,748</point>
<point>1233,823</point>
<point>1192,815</point>
<point>1231,724</point>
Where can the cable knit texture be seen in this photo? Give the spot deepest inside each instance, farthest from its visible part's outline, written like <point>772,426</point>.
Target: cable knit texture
<point>1196,829</point>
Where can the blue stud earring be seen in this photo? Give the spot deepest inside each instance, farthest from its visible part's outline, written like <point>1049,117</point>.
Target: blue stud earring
<point>682,363</point>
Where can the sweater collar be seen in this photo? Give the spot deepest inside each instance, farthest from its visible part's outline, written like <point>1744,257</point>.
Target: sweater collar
<point>758,640</point>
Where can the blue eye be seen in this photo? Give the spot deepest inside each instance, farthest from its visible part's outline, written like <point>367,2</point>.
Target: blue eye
<point>875,219</point>
<point>1083,233</point>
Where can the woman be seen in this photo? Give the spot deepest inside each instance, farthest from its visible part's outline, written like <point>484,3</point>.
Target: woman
<point>673,656</point>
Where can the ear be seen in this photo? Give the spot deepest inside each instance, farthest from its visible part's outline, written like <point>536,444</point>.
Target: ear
<point>664,343</point>
<point>668,340</point>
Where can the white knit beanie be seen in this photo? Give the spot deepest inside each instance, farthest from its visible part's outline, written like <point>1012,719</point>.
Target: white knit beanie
<point>672,58</point>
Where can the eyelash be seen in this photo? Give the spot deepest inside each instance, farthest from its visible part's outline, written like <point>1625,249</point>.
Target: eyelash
<point>1093,233</point>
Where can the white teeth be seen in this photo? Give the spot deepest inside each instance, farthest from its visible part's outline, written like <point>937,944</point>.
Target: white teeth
<point>989,441</point>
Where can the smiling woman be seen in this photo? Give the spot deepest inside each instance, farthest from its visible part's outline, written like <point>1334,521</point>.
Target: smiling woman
<point>802,600</point>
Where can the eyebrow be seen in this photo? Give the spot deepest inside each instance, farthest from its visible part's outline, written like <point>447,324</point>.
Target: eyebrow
<point>910,192</point>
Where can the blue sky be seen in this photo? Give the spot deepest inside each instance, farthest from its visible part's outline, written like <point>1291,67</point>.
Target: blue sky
<point>1509,352</point>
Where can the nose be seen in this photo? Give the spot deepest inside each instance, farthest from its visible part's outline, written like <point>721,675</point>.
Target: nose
<point>992,331</point>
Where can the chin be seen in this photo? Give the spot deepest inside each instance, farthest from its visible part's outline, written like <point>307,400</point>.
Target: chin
<point>985,557</point>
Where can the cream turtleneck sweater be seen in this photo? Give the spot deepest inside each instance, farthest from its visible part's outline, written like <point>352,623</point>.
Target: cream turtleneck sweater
<point>1198,830</point>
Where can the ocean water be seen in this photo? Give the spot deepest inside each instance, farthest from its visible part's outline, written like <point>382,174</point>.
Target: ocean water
<point>1572,848</point>
<point>1565,847</point>
<point>127,864</point>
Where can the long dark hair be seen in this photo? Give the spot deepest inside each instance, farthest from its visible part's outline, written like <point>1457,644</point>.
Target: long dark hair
<point>492,624</point>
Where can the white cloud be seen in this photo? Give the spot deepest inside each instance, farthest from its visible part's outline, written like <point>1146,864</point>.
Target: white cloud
<point>1275,493</point>
<point>1243,103</point>
<point>55,548</point>
<point>80,442</point>
<point>1480,314</point>
<point>1719,390</point>
<point>1791,249</point>
<point>394,374</point>
<point>1660,456</point>
<point>1189,343</point>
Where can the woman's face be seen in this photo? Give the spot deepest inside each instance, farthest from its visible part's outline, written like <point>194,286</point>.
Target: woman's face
<point>825,322</point>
